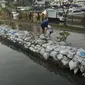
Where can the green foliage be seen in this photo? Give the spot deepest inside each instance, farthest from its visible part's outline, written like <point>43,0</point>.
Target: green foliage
<point>1,22</point>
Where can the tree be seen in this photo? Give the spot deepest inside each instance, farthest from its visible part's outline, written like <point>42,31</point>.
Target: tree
<point>65,6</point>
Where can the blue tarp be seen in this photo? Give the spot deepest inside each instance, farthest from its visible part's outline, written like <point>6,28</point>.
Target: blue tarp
<point>82,54</point>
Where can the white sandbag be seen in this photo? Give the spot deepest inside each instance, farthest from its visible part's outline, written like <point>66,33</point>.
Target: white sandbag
<point>73,49</point>
<point>83,74</point>
<point>27,38</point>
<point>65,60</point>
<point>40,42</point>
<point>33,42</point>
<point>53,54</point>
<point>50,42</point>
<point>76,70</point>
<point>70,54</point>
<point>44,45</point>
<point>49,48</point>
<point>82,68</point>
<point>46,55</point>
<point>73,64</point>
<point>69,48</point>
<point>35,48</point>
<point>78,58</point>
<point>62,47</point>
<point>20,42</point>
<point>32,49</point>
<point>38,48</point>
<point>59,56</point>
<point>62,43</point>
<point>42,51</point>
<point>43,36</point>
<point>83,62</point>
<point>14,41</point>
<point>26,46</point>
<point>57,49</point>
<point>32,46</point>
<point>63,52</point>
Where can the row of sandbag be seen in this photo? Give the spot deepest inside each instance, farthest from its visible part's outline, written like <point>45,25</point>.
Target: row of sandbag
<point>59,51</point>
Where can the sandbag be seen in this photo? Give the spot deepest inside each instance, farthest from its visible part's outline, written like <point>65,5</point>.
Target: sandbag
<point>44,45</point>
<point>62,43</point>
<point>26,46</point>
<point>83,74</point>
<point>53,54</point>
<point>65,60</point>
<point>50,42</point>
<point>32,49</point>
<point>70,54</point>
<point>69,48</point>
<point>62,47</point>
<point>46,55</point>
<point>49,48</point>
<point>43,37</point>
<point>57,49</point>
<point>38,48</point>
<point>73,49</point>
<point>83,62</point>
<point>73,64</point>
<point>76,70</point>
<point>78,58</point>
<point>42,51</point>
<point>63,52</point>
<point>82,68</point>
<point>27,39</point>
<point>32,46</point>
<point>59,56</point>
<point>40,42</point>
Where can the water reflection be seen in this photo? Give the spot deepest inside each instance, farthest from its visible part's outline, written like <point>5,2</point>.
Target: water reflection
<point>65,73</point>
<point>25,26</point>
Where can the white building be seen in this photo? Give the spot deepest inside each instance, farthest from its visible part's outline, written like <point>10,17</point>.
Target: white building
<point>2,3</point>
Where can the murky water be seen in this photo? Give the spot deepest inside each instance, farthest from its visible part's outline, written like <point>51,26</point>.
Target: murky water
<point>19,68</point>
<point>76,39</point>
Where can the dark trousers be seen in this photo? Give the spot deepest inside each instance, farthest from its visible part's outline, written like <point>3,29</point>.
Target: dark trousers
<point>43,28</point>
